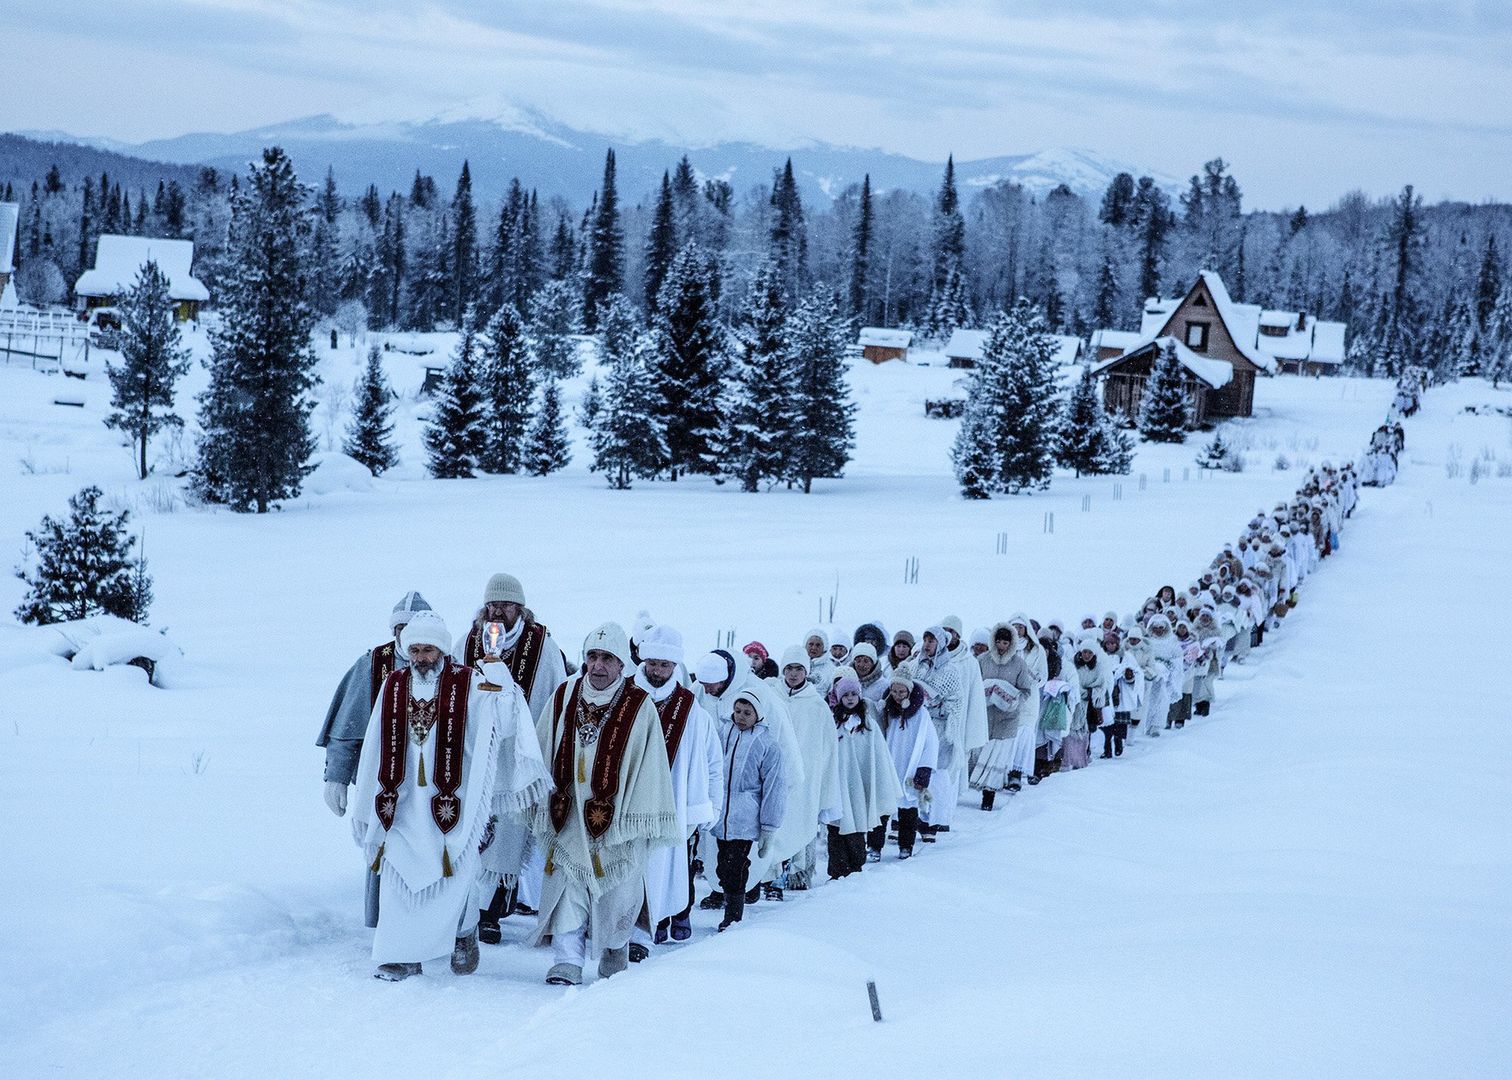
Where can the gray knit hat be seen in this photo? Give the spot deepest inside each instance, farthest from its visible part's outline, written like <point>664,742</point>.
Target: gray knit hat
<point>405,609</point>
<point>504,589</point>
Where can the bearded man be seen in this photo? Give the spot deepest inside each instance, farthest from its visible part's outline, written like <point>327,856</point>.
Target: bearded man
<point>443,761</point>
<point>611,803</point>
<point>347,718</point>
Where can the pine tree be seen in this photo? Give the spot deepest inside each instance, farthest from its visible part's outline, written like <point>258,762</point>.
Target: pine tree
<point>606,250</point>
<point>1217,454</point>
<point>948,249</point>
<point>464,253</point>
<point>821,444</point>
<point>1152,222</point>
<point>1109,302</point>
<point>456,439</point>
<point>508,379</point>
<point>1083,428</point>
<point>861,241</point>
<point>950,306</point>
<point>1117,457</point>
<point>1165,410</point>
<point>687,204</point>
<point>692,358</point>
<point>325,244</point>
<point>553,324</point>
<point>787,240</point>
<point>547,447</point>
<point>760,407</point>
<point>84,567</point>
<point>256,441</point>
<point>1118,201</point>
<point>591,406</point>
<point>153,358</point>
<point>370,437</point>
<point>661,242</point>
<point>627,434</point>
<point>1012,418</point>
<point>619,328</point>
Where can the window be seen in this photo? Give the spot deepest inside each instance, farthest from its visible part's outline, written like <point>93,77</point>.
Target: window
<point>1197,336</point>
<point>1273,331</point>
<point>1199,301</point>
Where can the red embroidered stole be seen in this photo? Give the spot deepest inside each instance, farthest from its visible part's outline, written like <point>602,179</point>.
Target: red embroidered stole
<point>614,737</point>
<point>523,662</point>
<point>674,713</point>
<point>451,730</point>
<point>382,659</point>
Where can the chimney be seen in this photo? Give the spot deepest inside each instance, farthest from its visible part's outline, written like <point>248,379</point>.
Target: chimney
<point>1301,320</point>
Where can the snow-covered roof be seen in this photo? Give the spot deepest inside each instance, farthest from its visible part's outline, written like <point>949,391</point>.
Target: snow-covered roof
<point>884,338</point>
<point>966,344</point>
<point>1278,318</point>
<point>10,219</point>
<point>1114,339</point>
<point>119,258</point>
<point>1215,373</point>
<point>1155,314</point>
<point>1328,343</point>
<point>1066,348</point>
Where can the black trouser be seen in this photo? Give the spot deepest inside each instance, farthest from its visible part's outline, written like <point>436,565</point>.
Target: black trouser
<point>908,827</point>
<point>734,867</point>
<point>877,838</point>
<point>1114,735</point>
<point>847,852</point>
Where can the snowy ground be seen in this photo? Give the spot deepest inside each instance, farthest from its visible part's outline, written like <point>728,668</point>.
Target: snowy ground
<point>1316,881</point>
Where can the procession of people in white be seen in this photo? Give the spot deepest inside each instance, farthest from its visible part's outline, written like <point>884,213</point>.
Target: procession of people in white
<point>493,777</point>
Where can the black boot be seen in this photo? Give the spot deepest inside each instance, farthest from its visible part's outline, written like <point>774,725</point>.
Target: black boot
<point>988,797</point>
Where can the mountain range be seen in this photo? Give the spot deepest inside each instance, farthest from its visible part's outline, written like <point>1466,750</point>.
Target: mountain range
<point>560,161</point>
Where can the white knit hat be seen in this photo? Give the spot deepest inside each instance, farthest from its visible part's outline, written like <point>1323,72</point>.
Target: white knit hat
<point>661,643</point>
<point>504,589</point>
<point>610,638</point>
<point>711,668</point>
<point>953,622</point>
<point>903,673</point>
<point>405,609</point>
<point>795,654</point>
<point>425,628</point>
<point>864,648</point>
<point>980,636</point>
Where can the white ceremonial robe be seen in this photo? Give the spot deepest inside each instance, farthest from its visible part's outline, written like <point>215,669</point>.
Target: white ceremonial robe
<point>698,791</point>
<point>806,735</point>
<point>422,911</point>
<point>869,788</point>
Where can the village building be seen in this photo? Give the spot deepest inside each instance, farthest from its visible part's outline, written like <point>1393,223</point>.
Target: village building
<point>1124,379</point>
<point>879,344</point>
<point>118,259</point>
<point>964,348</point>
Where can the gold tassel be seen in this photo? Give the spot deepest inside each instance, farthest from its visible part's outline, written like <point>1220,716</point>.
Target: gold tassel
<point>377,860</point>
<point>582,775</point>
<point>420,781</point>
<point>598,867</point>
<point>446,870</point>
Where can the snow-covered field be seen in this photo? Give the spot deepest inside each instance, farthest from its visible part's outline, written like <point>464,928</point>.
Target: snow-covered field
<point>1316,881</point>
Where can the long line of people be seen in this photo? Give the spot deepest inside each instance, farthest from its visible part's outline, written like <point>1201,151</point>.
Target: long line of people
<point>774,775</point>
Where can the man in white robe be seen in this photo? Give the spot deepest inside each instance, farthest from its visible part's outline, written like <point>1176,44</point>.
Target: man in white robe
<point>611,804</point>
<point>536,664</point>
<point>697,788</point>
<point>442,762</point>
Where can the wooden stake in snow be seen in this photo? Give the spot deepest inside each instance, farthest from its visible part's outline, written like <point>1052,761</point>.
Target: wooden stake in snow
<point>871,992</point>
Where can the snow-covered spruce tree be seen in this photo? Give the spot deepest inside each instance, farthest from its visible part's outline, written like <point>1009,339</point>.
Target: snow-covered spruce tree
<point>1165,410</point>
<point>627,439</point>
<point>1084,428</point>
<point>692,360</point>
<point>760,406</point>
<point>821,443</point>
<point>83,566</point>
<point>1216,454</point>
<point>591,405</point>
<point>153,358</point>
<point>950,306</point>
<point>508,382</point>
<point>455,437</point>
<point>1014,390</point>
<point>553,321</point>
<point>1117,456</point>
<point>661,243</point>
<point>974,455</point>
<point>619,327</point>
<point>604,274</point>
<point>547,447</point>
<point>256,441</point>
<point>370,437</point>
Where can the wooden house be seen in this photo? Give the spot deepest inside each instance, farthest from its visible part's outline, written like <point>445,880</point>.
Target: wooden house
<point>1208,325</point>
<point>880,345</point>
<point>118,260</point>
<point>1124,379</point>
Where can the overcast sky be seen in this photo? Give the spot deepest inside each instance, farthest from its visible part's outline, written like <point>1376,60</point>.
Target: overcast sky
<point>1305,103</point>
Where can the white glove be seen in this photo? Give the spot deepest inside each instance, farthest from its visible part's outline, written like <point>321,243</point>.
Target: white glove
<point>335,797</point>
<point>765,844</point>
<point>496,673</point>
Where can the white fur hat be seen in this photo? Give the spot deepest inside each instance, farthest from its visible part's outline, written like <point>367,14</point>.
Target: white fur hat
<point>661,643</point>
<point>795,654</point>
<point>711,668</point>
<point>425,628</point>
<point>609,638</point>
